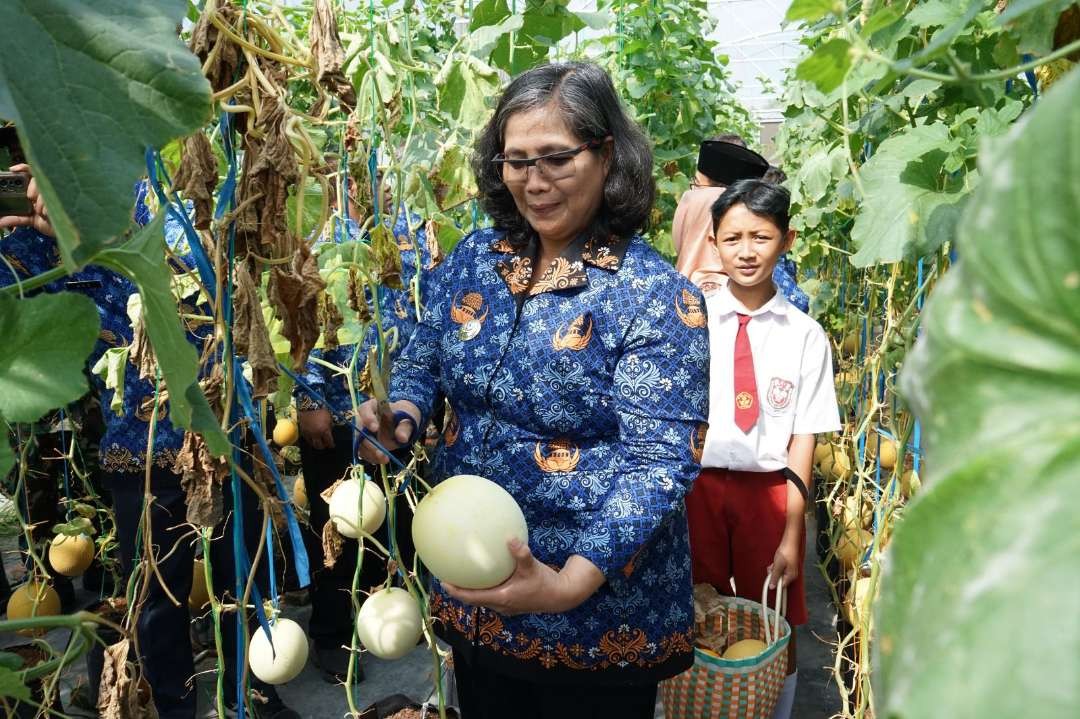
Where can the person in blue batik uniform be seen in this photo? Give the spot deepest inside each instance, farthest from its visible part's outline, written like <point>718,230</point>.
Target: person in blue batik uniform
<point>574,360</point>
<point>163,627</point>
<point>326,451</point>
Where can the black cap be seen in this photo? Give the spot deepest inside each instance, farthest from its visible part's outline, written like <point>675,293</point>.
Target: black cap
<point>725,163</point>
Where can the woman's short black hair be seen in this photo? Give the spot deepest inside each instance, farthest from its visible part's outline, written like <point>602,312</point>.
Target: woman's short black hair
<point>764,199</point>
<point>592,110</point>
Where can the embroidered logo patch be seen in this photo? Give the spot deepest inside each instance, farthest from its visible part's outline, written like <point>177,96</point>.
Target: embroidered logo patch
<point>780,391</point>
<point>467,314</point>
<point>744,400</point>
<point>693,315</point>
<point>576,337</point>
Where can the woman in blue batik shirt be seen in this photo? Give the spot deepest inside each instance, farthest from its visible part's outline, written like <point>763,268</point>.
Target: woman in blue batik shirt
<point>574,361</point>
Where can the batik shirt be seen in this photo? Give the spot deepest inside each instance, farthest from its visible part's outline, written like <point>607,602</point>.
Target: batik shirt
<point>585,397</point>
<point>396,308</point>
<point>124,445</point>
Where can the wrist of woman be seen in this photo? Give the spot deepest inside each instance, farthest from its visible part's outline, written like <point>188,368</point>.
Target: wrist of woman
<point>579,579</point>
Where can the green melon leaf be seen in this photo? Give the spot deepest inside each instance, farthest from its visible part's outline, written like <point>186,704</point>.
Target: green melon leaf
<point>984,571</point>
<point>142,258</point>
<point>47,339</point>
<point>827,66</point>
<point>11,685</point>
<point>464,88</point>
<point>904,211</point>
<point>809,10</point>
<point>117,71</point>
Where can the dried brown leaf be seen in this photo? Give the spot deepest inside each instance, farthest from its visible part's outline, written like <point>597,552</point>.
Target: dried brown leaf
<point>270,169</point>
<point>332,544</point>
<point>294,293</point>
<point>142,352</point>
<point>329,55</point>
<point>357,297</point>
<point>387,256</point>
<point>201,476</point>
<point>435,252</point>
<point>122,694</point>
<point>227,59</point>
<point>197,177</point>
<point>250,334</point>
<point>332,321</point>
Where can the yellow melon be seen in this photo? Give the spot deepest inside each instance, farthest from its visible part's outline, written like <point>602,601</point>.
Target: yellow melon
<point>745,649</point>
<point>299,496</point>
<point>286,433</point>
<point>910,484</point>
<point>888,449</point>
<point>855,512</point>
<point>33,599</point>
<point>71,556</point>
<point>852,545</point>
<point>840,469</point>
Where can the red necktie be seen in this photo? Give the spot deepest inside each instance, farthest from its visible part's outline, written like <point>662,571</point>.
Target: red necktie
<point>746,399</point>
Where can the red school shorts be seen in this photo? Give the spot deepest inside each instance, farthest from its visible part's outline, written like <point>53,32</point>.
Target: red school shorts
<point>736,523</point>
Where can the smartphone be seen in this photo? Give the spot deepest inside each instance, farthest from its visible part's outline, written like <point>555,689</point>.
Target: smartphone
<point>13,199</point>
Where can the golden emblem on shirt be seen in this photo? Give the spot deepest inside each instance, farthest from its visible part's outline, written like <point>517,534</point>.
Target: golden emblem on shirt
<point>561,456</point>
<point>697,441</point>
<point>467,314</point>
<point>744,400</point>
<point>694,314</point>
<point>576,337</point>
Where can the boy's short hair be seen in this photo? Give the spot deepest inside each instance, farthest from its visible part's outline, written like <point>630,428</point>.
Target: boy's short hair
<point>762,198</point>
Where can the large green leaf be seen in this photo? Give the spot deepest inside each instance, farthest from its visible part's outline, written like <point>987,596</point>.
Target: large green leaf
<point>90,86</point>
<point>809,10</point>
<point>466,84</point>
<point>903,211</point>
<point>46,340</point>
<point>827,66</point>
<point>142,258</point>
<point>983,574</point>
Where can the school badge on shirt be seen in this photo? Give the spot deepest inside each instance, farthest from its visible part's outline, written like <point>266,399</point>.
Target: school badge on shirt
<point>467,314</point>
<point>780,391</point>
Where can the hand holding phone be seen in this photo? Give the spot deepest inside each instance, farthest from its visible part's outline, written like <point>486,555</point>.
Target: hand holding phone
<point>31,214</point>
<point>13,198</point>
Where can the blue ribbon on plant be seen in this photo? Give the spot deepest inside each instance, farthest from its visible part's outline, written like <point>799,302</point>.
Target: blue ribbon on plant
<point>179,213</point>
<point>303,571</point>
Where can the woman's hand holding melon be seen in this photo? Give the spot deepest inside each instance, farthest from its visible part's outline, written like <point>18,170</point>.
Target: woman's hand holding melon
<point>389,437</point>
<point>534,587</point>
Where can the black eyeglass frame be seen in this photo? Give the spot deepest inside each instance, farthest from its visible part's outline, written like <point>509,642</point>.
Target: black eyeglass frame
<point>501,161</point>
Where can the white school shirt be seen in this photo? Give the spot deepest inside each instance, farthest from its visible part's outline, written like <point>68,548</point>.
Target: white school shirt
<point>794,374</point>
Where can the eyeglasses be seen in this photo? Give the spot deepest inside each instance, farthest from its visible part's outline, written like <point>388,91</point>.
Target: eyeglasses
<point>553,166</point>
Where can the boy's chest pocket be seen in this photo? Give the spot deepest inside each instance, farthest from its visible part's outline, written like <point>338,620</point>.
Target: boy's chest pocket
<point>778,399</point>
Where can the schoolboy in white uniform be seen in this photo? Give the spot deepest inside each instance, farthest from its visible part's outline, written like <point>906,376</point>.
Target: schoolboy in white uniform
<point>771,391</point>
